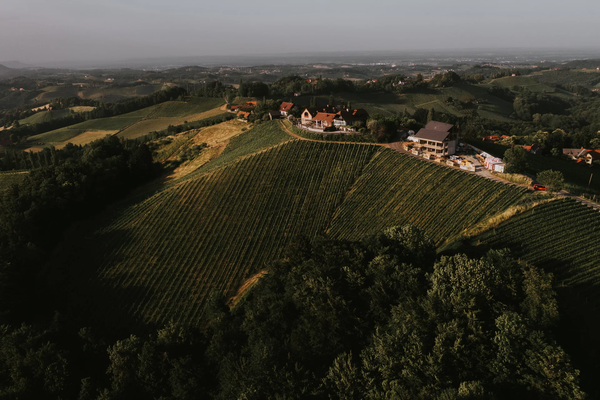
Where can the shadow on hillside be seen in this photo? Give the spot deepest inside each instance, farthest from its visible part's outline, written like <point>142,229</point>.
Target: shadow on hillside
<point>71,283</point>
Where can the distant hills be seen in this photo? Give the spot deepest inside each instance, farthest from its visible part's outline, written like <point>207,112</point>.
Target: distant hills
<point>6,72</point>
<point>15,64</point>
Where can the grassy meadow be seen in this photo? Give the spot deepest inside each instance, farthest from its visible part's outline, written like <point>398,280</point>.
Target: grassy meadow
<point>136,123</point>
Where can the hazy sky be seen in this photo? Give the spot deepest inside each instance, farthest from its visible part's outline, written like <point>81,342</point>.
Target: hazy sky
<point>36,31</point>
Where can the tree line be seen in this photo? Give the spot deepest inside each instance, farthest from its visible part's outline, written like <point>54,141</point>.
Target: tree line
<point>102,110</point>
<point>381,318</point>
<point>69,185</point>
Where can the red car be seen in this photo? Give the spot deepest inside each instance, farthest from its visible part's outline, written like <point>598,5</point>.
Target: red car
<point>539,187</point>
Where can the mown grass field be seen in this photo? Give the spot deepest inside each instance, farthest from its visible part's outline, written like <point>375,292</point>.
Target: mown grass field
<point>155,123</point>
<point>136,123</point>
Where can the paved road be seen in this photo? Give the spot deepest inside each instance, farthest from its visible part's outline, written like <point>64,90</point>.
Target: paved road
<point>479,169</point>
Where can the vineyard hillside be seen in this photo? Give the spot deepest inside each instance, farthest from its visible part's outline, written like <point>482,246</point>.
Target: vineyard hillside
<point>397,189</point>
<point>562,236</point>
<point>160,259</point>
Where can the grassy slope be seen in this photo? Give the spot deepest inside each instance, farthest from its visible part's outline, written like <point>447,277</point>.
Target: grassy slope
<point>45,116</point>
<point>9,178</point>
<point>107,94</point>
<point>155,116</point>
<point>258,138</point>
<point>546,236</point>
<point>563,237</point>
<point>528,82</point>
<point>388,104</point>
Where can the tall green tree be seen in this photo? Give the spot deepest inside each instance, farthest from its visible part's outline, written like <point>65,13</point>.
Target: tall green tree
<point>515,159</point>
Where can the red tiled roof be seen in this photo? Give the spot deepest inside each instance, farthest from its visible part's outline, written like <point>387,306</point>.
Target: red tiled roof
<point>243,114</point>
<point>286,106</point>
<point>327,117</point>
<point>492,138</point>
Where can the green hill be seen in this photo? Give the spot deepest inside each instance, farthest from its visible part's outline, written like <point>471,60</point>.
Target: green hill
<point>563,236</point>
<point>160,259</point>
<point>136,123</point>
<point>388,104</point>
<point>396,189</point>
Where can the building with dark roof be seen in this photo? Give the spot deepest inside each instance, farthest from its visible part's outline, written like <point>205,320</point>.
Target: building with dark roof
<point>350,117</point>
<point>437,139</point>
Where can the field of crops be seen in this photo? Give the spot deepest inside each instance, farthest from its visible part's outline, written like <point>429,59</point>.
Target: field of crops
<point>138,123</point>
<point>260,137</point>
<point>396,189</point>
<point>562,236</point>
<point>160,260</point>
<point>181,109</point>
<point>44,116</point>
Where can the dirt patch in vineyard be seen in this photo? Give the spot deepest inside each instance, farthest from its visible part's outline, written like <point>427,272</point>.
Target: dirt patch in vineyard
<point>216,137</point>
<point>245,287</point>
<point>221,133</point>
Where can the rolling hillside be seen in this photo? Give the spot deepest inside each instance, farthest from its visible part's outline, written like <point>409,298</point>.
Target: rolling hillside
<point>396,189</point>
<point>133,124</point>
<point>108,94</point>
<point>563,236</point>
<point>160,259</point>
<point>388,104</point>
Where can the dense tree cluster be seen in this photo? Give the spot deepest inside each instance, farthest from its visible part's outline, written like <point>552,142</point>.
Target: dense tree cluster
<point>382,318</point>
<point>72,183</point>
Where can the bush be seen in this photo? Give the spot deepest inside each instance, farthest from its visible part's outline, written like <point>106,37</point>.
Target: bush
<point>553,180</point>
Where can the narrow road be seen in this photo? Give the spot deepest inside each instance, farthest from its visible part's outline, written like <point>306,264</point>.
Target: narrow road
<point>479,169</point>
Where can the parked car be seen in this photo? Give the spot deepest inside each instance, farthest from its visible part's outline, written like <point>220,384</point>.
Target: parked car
<point>539,187</point>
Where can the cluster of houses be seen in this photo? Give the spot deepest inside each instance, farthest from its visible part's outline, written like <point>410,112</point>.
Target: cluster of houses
<point>337,117</point>
<point>312,118</point>
<point>582,155</point>
<point>244,110</point>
